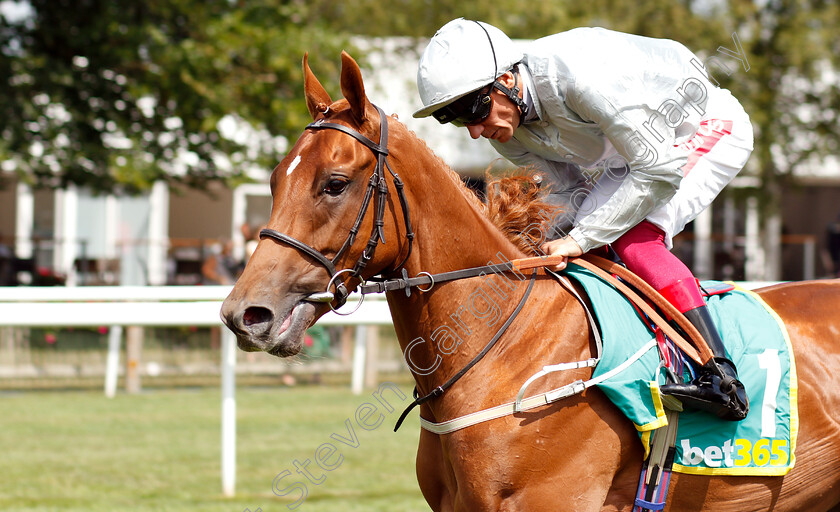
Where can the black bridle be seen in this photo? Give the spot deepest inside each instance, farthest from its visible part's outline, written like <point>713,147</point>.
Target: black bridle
<point>377,183</point>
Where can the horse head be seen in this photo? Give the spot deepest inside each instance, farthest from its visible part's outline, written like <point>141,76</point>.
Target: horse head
<point>329,187</point>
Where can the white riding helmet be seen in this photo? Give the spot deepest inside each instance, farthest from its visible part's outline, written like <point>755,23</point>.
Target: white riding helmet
<point>459,60</point>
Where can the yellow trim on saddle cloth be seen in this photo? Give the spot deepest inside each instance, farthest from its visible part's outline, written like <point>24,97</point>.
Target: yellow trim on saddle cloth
<point>794,413</point>
<point>660,421</point>
<point>705,444</point>
<point>794,380</point>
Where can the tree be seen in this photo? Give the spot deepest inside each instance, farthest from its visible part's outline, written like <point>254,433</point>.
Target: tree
<point>111,93</point>
<point>792,93</point>
<point>120,94</point>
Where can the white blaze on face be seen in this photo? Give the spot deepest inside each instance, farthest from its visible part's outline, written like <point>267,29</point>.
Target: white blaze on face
<point>294,165</point>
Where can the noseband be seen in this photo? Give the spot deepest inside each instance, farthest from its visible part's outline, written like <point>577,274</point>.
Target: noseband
<point>378,183</point>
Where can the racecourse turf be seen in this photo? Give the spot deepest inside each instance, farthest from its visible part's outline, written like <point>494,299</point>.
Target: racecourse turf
<point>160,451</point>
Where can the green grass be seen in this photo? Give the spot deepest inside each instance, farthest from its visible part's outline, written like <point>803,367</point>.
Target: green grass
<point>160,451</point>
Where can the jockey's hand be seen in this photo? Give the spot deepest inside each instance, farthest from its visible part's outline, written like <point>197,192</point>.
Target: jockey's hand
<point>565,247</point>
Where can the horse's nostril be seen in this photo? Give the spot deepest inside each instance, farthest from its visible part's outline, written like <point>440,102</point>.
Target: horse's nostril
<point>256,315</point>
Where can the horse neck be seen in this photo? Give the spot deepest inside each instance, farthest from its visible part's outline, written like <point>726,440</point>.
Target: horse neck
<point>451,229</point>
<point>452,233</point>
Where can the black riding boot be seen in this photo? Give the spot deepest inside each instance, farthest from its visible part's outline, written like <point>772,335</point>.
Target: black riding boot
<point>716,387</point>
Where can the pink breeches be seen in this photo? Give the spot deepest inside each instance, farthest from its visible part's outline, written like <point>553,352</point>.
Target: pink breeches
<point>643,250</point>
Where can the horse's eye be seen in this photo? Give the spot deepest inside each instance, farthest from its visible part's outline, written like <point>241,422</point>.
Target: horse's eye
<point>335,186</point>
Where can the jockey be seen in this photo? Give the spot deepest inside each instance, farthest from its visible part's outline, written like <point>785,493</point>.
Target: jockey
<point>641,111</point>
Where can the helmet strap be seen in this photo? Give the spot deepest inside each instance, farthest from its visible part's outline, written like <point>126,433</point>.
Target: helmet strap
<point>513,94</point>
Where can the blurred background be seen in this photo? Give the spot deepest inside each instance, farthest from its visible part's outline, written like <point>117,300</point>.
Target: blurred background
<point>137,143</point>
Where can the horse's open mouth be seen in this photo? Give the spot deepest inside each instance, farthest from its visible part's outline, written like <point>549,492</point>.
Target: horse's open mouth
<point>289,336</point>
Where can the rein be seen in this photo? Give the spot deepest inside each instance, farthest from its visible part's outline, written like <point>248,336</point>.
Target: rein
<point>472,272</point>
<point>438,391</point>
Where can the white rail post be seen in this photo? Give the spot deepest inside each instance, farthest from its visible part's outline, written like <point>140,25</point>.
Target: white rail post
<point>228,412</point>
<point>372,357</point>
<point>112,363</point>
<point>359,357</point>
<point>133,355</point>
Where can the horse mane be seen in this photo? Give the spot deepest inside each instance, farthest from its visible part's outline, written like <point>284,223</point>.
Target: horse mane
<point>516,206</point>
<point>514,203</point>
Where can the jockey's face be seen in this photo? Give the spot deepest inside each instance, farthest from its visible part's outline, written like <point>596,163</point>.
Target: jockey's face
<point>504,115</point>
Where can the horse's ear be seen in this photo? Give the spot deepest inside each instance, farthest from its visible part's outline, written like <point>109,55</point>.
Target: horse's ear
<point>353,87</point>
<point>317,99</point>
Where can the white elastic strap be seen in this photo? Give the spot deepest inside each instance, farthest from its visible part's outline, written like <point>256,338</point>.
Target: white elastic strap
<point>589,363</point>
<point>524,404</point>
<point>591,382</point>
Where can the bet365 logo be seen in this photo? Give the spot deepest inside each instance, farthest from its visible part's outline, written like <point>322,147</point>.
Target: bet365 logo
<point>740,453</point>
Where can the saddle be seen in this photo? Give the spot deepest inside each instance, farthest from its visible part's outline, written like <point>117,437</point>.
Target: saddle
<point>693,441</point>
<point>642,295</point>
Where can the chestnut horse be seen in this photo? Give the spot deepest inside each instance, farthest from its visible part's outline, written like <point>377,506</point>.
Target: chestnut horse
<point>578,454</point>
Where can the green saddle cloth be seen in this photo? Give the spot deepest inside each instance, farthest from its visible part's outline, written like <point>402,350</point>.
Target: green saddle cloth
<point>756,341</point>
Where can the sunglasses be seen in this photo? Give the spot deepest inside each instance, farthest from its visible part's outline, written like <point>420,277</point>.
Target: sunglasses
<point>470,109</point>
